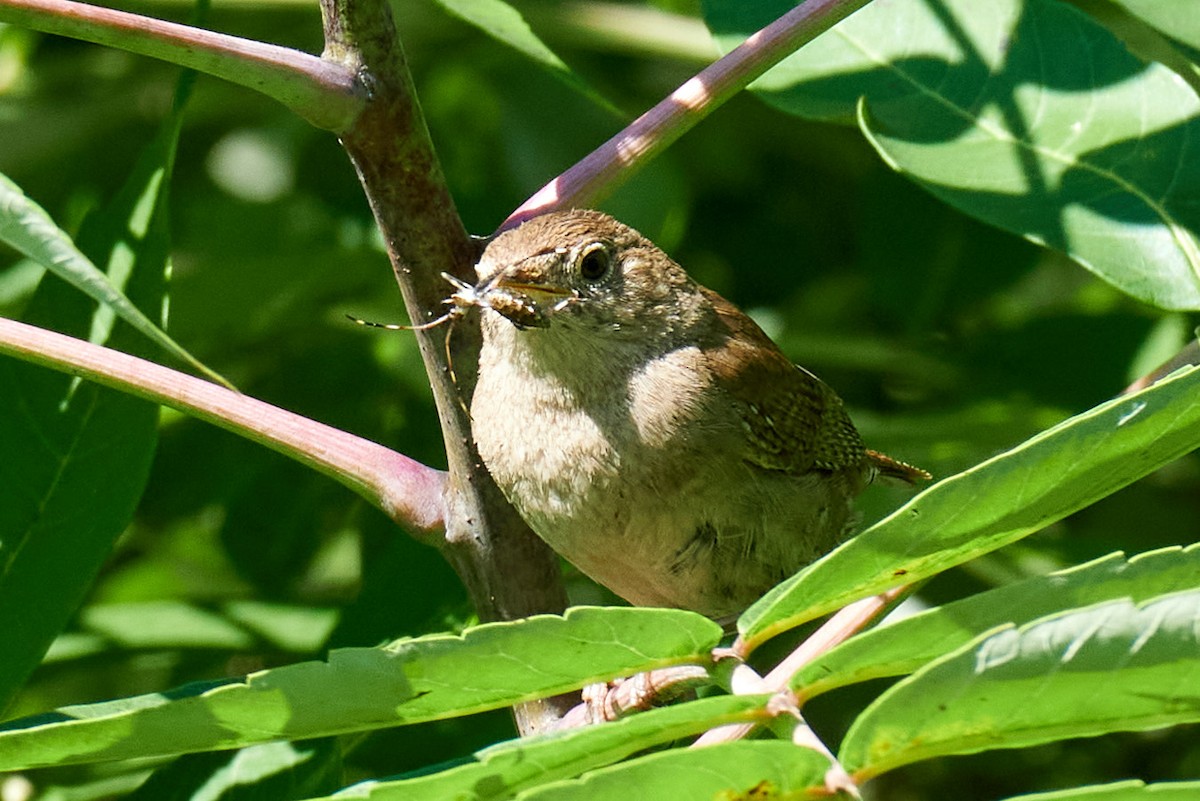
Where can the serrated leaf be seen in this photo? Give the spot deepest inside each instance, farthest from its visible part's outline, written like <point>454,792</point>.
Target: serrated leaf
<point>1057,472</point>
<point>902,647</point>
<point>408,681</point>
<point>724,772</point>
<point>1115,666</point>
<point>506,769</point>
<point>1025,114</point>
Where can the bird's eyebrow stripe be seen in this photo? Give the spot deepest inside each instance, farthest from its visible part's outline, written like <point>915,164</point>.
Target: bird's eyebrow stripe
<point>559,251</point>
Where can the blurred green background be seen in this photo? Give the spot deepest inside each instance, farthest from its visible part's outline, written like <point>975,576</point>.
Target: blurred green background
<point>949,341</point>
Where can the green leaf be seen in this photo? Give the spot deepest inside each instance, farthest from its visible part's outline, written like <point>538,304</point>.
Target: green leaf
<point>902,647</point>
<point>300,629</point>
<point>885,52</point>
<point>1121,791</point>
<point>1115,666</point>
<point>1025,114</point>
<point>506,769</point>
<point>76,455</point>
<point>724,772</point>
<point>164,624</point>
<point>408,681</point>
<point>505,24</point>
<point>1176,18</point>
<point>1057,472</point>
<point>27,228</point>
<point>268,772</point>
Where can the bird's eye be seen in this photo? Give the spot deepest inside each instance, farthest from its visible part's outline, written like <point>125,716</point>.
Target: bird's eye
<point>594,262</point>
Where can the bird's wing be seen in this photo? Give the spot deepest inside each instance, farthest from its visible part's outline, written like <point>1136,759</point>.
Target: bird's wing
<point>794,422</point>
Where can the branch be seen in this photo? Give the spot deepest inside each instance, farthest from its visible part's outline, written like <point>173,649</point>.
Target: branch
<point>408,491</point>
<point>611,164</point>
<point>325,93</point>
<point>361,88</point>
<point>509,572</point>
<point>839,628</point>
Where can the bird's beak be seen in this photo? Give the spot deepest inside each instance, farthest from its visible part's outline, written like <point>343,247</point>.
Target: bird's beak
<point>527,280</point>
<point>523,295</point>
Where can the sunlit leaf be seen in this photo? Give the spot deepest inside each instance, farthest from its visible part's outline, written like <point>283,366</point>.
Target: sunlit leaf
<point>1176,18</point>
<point>408,681</point>
<point>1026,114</point>
<point>904,646</point>
<point>1121,791</point>
<point>1059,471</point>
<point>509,768</point>
<point>1115,666</point>
<point>727,772</point>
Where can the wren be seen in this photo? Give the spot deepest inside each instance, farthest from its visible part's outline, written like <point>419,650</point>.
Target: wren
<point>647,429</point>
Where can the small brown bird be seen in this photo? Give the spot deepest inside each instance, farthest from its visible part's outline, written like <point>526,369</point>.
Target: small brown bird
<point>648,430</point>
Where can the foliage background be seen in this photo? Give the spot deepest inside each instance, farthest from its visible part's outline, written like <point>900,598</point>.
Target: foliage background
<point>949,340</point>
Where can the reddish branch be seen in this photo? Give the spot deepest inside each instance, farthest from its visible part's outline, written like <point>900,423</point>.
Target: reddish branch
<point>321,91</point>
<point>408,491</point>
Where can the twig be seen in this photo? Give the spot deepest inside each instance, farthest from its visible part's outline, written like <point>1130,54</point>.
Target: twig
<point>606,167</point>
<point>783,705</point>
<point>839,628</point>
<point>1189,354</point>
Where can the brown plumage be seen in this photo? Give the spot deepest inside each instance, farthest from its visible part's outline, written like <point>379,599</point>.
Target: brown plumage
<point>647,429</point>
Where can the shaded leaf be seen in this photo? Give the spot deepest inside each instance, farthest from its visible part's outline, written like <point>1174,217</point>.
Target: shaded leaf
<point>77,456</point>
<point>27,228</point>
<point>268,772</point>
<point>505,24</point>
<point>163,624</point>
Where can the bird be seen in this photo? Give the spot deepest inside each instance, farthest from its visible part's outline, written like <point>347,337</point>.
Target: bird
<point>648,430</point>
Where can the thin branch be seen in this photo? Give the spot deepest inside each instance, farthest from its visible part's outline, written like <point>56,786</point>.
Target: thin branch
<point>606,167</point>
<point>849,621</point>
<point>325,93</point>
<point>839,628</point>
<point>408,491</point>
<point>507,570</point>
<point>784,712</point>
